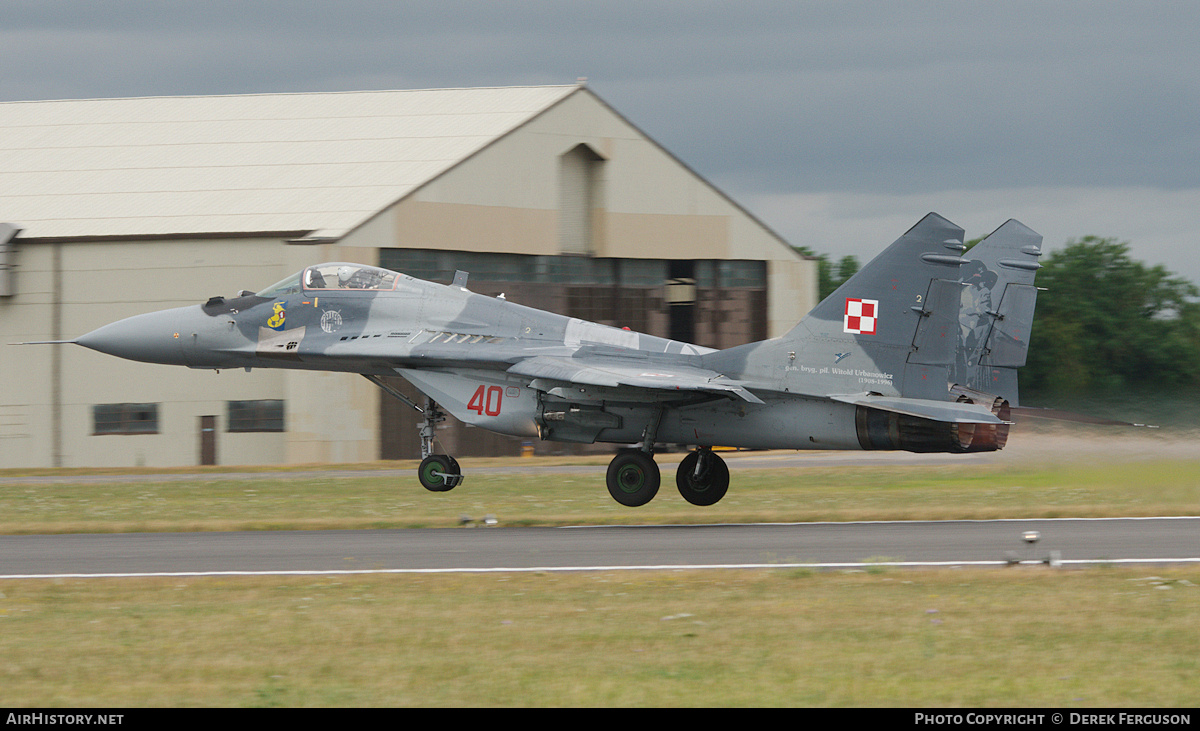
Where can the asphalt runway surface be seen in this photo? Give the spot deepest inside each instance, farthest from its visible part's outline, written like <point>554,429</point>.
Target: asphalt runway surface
<point>832,545</point>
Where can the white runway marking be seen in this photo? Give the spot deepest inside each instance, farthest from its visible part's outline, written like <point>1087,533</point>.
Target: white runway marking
<point>891,522</point>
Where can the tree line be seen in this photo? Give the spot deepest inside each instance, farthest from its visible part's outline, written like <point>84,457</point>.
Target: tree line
<point>1106,324</point>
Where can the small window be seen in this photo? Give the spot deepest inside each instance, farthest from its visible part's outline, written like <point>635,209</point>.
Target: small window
<point>263,415</point>
<point>125,418</point>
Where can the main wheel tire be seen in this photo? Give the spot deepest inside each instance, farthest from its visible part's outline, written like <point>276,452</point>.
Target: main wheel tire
<point>433,464</point>
<point>710,486</point>
<point>633,478</point>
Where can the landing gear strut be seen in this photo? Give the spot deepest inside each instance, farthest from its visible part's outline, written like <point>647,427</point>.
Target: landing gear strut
<point>703,477</point>
<point>438,472</point>
<point>633,476</point>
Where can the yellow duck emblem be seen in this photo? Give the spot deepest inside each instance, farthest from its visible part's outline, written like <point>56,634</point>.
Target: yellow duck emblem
<point>276,321</point>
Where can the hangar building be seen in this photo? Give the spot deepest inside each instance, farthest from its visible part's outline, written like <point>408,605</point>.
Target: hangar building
<point>123,206</point>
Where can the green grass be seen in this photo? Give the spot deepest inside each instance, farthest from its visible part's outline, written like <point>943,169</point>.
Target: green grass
<point>306,500</point>
<point>1032,637</point>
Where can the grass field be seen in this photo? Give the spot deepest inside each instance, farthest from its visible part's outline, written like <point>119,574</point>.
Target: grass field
<point>1034,637</point>
<point>1021,636</point>
<point>307,499</point>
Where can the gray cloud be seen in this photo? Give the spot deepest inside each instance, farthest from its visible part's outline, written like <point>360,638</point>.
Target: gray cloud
<point>767,99</point>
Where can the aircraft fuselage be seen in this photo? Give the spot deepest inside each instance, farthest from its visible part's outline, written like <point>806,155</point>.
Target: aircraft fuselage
<point>874,366</point>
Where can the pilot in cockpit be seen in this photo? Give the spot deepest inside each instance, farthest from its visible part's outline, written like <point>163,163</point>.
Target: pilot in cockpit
<point>314,280</point>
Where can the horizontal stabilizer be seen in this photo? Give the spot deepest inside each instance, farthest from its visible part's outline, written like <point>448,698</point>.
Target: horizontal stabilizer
<point>654,376</point>
<point>947,411</point>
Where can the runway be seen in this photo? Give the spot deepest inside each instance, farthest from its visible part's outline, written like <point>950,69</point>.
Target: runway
<point>820,545</point>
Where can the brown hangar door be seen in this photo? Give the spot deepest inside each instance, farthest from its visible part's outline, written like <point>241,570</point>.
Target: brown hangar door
<point>208,440</point>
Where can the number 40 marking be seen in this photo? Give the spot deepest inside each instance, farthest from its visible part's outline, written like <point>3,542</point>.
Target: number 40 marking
<point>486,400</point>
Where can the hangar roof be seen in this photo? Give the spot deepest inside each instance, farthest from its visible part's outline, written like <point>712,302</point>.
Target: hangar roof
<point>311,162</point>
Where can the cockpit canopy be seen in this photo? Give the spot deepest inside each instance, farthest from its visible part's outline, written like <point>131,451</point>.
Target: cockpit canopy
<point>335,275</point>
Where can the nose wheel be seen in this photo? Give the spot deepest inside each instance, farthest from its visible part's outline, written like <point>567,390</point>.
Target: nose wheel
<point>702,478</point>
<point>439,473</point>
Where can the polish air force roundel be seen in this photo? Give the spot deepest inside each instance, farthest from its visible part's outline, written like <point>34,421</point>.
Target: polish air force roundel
<point>861,316</point>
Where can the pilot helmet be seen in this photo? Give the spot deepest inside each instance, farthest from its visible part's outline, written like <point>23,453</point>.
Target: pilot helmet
<point>344,275</point>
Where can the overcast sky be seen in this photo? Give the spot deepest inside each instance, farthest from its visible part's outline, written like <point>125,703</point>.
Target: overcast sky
<point>839,124</point>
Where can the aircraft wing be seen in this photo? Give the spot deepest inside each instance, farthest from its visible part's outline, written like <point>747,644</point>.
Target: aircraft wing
<point>617,374</point>
<point>947,411</point>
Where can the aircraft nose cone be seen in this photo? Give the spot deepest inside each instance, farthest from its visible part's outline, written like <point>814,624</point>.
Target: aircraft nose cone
<point>150,338</point>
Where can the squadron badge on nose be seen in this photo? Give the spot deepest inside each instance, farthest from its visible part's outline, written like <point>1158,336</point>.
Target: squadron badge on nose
<point>277,320</point>
<point>331,320</point>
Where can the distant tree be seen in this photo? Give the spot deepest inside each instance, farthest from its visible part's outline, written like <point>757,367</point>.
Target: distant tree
<point>847,267</point>
<point>829,278</point>
<point>1106,323</point>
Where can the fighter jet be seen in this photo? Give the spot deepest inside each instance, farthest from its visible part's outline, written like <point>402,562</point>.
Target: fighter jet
<point>918,351</point>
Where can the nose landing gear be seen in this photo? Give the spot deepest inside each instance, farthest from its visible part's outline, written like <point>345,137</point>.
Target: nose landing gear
<point>438,472</point>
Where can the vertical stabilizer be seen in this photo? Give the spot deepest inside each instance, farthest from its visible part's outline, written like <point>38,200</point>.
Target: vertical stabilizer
<point>890,329</point>
<point>897,279</point>
<point>996,312</point>
<point>911,288</point>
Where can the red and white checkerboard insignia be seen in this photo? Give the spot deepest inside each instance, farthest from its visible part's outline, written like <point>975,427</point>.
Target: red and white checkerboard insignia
<point>861,316</point>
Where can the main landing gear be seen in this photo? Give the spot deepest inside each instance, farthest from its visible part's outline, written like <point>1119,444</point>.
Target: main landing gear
<point>634,478</point>
<point>702,477</point>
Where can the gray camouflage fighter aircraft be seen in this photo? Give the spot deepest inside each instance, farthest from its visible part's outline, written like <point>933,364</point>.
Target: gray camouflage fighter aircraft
<point>918,351</point>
